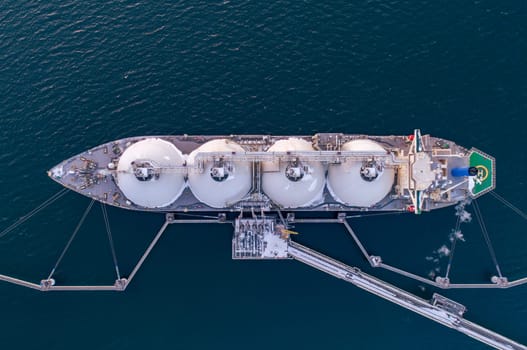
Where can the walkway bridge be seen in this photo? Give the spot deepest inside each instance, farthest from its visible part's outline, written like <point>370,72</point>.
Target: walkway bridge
<point>439,312</point>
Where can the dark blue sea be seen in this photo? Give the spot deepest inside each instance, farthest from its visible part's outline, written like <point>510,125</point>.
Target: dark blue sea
<point>74,74</point>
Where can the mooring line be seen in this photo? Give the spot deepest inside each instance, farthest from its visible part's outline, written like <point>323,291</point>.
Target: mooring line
<point>486,236</point>
<point>71,238</point>
<point>33,212</point>
<point>110,239</point>
<point>509,205</point>
<point>453,247</point>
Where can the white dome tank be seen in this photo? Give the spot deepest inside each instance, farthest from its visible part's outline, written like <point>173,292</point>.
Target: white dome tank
<point>140,178</point>
<point>360,183</point>
<point>293,185</point>
<point>220,184</point>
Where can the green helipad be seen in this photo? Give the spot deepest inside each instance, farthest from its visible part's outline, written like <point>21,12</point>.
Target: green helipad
<point>485,180</point>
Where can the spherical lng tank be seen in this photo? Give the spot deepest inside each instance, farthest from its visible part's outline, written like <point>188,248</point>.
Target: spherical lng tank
<point>144,173</point>
<point>221,183</point>
<point>360,183</point>
<point>296,183</point>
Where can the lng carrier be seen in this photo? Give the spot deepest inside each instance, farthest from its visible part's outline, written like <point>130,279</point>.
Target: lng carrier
<point>264,185</point>
<point>323,172</point>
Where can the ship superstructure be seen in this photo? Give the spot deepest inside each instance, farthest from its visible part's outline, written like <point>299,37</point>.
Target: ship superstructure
<point>323,172</point>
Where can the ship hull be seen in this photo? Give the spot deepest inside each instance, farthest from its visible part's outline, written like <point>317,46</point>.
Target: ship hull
<point>348,172</point>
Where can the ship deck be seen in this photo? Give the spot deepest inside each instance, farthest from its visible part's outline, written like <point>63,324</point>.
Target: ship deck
<point>88,172</point>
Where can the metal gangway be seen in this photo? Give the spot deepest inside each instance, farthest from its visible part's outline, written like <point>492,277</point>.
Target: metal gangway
<point>438,312</point>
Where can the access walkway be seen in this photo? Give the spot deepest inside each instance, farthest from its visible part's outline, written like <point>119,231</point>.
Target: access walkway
<point>400,297</point>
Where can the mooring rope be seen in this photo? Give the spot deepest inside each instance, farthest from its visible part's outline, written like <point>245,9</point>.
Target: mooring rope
<point>72,238</point>
<point>486,236</point>
<point>453,247</point>
<point>33,212</point>
<point>509,205</point>
<point>110,239</point>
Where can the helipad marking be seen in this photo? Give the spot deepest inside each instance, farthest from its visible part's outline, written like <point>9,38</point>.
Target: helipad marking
<point>484,181</point>
<point>483,172</point>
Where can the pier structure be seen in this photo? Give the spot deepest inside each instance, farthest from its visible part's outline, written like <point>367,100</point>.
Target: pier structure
<point>376,261</point>
<point>440,309</point>
<point>269,237</point>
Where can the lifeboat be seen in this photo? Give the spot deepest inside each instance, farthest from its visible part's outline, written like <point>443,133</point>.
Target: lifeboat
<point>296,183</point>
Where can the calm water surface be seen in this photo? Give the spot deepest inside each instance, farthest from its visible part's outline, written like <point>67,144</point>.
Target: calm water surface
<point>74,74</point>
